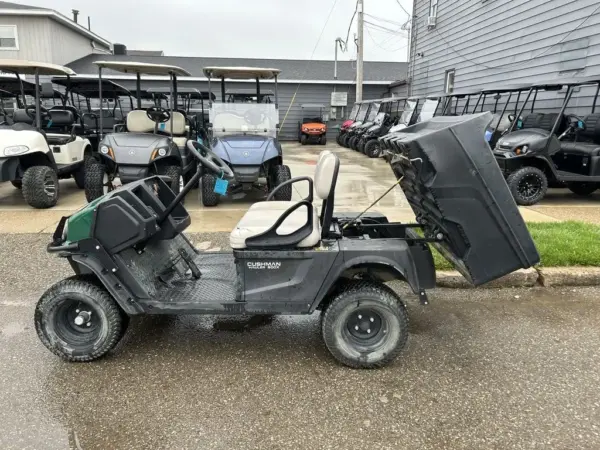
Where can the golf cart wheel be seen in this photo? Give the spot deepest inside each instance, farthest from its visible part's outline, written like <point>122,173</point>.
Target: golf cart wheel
<point>40,187</point>
<point>338,139</point>
<point>79,177</point>
<point>281,174</point>
<point>583,189</point>
<point>323,140</point>
<point>17,183</point>
<point>209,196</point>
<point>365,326</point>
<point>176,176</point>
<point>373,148</point>
<point>96,181</point>
<point>345,140</point>
<point>303,139</point>
<point>353,142</point>
<point>78,320</point>
<point>528,185</point>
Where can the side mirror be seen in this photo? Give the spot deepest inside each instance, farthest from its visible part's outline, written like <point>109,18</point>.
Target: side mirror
<point>46,90</point>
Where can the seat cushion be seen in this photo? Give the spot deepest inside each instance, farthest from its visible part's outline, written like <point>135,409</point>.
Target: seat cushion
<point>580,148</point>
<point>256,221</point>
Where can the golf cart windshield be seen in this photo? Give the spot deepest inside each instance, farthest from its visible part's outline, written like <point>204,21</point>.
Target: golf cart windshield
<point>428,109</point>
<point>244,118</point>
<point>409,109</point>
<point>373,111</point>
<point>379,118</point>
<point>354,111</point>
<point>249,96</point>
<point>362,112</point>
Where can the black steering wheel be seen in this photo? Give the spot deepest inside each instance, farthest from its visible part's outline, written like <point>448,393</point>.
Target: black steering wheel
<point>574,121</point>
<point>210,160</point>
<point>158,114</point>
<point>30,111</point>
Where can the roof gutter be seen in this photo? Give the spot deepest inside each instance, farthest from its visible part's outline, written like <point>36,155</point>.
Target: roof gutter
<point>59,18</point>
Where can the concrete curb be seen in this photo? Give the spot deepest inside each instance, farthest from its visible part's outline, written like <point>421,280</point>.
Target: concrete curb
<point>546,276</point>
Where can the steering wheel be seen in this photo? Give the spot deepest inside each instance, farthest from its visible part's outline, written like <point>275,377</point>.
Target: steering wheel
<point>30,111</point>
<point>158,114</point>
<point>210,160</point>
<point>254,117</point>
<point>574,121</point>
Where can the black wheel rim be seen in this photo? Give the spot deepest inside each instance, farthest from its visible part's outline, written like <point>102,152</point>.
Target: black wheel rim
<point>365,328</point>
<point>375,149</point>
<point>49,185</point>
<point>530,186</point>
<point>77,323</point>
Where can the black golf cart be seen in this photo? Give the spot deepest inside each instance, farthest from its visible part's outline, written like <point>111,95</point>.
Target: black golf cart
<point>402,113</point>
<point>154,141</point>
<point>550,148</point>
<point>244,135</point>
<point>346,124</point>
<point>312,129</point>
<point>375,115</point>
<point>364,109</point>
<point>130,255</point>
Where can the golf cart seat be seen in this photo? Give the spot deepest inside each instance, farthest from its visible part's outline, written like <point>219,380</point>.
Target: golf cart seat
<point>590,136</point>
<point>179,129</point>
<point>138,122</point>
<point>272,224</point>
<point>61,124</point>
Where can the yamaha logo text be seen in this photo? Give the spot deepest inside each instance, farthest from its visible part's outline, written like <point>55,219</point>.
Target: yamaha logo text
<point>272,265</point>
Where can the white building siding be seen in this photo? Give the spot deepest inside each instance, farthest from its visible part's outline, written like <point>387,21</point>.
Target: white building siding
<point>503,42</point>
<point>34,38</point>
<point>68,45</point>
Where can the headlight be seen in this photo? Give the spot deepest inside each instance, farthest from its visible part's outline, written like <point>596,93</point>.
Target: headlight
<point>15,150</point>
<point>521,150</point>
<point>162,152</point>
<point>159,152</point>
<point>104,150</point>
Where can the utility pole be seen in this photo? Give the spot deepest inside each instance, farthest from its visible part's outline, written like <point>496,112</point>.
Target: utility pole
<point>359,58</point>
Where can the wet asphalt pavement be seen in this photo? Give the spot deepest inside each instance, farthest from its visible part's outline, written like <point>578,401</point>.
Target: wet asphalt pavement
<point>483,369</point>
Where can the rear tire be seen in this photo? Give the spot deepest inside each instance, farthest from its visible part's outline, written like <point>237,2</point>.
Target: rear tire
<point>583,189</point>
<point>338,139</point>
<point>323,140</point>
<point>94,181</point>
<point>365,326</point>
<point>174,173</point>
<point>303,139</point>
<point>279,175</point>
<point>62,304</point>
<point>209,196</point>
<point>79,176</point>
<point>40,187</point>
<point>528,185</point>
<point>373,148</point>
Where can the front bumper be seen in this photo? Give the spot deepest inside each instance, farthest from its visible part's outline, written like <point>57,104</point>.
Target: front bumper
<point>246,174</point>
<point>129,174</point>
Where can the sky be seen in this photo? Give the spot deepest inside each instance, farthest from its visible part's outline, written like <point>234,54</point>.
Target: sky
<point>285,29</point>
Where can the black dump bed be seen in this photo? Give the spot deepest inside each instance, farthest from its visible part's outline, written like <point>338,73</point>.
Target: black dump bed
<point>455,188</point>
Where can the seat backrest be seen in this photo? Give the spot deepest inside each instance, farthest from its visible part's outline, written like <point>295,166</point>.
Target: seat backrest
<point>61,118</point>
<point>548,120</point>
<point>138,122</point>
<point>532,120</point>
<point>178,120</point>
<point>592,128</point>
<point>326,174</point>
<point>20,116</point>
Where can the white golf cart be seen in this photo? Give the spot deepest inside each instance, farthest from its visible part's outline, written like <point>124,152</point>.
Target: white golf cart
<point>42,144</point>
<point>153,141</point>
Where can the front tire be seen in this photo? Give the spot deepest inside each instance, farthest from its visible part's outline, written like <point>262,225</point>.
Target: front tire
<point>303,139</point>
<point>323,140</point>
<point>373,148</point>
<point>279,175</point>
<point>209,196</point>
<point>528,185</point>
<point>96,181</point>
<point>78,320</point>
<point>79,176</point>
<point>176,177</point>
<point>583,189</point>
<point>40,187</point>
<point>366,325</point>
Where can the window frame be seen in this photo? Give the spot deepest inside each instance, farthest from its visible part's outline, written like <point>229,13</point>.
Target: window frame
<point>16,34</point>
<point>446,84</point>
<point>433,8</point>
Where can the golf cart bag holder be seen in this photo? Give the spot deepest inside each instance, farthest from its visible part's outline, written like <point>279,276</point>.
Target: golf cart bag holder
<point>460,198</point>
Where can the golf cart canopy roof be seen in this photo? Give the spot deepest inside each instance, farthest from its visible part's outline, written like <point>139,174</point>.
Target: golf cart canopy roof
<point>12,87</point>
<point>241,73</point>
<point>506,88</point>
<point>88,87</point>
<point>193,93</point>
<point>558,83</point>
<point>142,68</point>
<point>31,67</point>
<point>246,92</point>
<point>313,105</point>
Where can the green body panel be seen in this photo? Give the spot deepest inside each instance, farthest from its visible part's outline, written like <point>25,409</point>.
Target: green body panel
<point>80,223</point>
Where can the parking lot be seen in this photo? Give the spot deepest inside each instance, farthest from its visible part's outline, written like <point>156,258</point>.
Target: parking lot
<point>361,182</point>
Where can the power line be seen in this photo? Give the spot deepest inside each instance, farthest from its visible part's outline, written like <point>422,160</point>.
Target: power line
<point>385,29</point>
<point>522,62</point>
<point>349,28</point>
<point>383,20</point>
<point>403,9</point>
<point>381,45</point>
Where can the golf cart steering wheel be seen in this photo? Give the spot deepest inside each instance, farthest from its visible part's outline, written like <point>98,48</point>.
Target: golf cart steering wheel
<point>210,160</point>
<point>575,121</point>
<point>30,111</point>
<point>158,114</point>
<point>254,117</point>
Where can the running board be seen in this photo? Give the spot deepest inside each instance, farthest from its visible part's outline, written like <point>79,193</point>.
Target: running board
<point>576,177</point>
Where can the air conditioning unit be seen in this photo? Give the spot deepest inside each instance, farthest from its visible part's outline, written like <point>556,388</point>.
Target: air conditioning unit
<point>431,21</point>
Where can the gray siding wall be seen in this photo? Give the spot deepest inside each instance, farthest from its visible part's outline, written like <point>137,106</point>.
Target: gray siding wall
<point>492,42</point>
<point>307,93</point>
<point>45,40</point>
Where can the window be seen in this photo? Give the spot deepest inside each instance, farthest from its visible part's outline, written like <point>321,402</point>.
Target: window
<point>449,81</point>
<point>433,6</point>
<point>8,37</point>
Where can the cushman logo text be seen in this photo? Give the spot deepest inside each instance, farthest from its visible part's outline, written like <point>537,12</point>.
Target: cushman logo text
<point>264,265</point>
